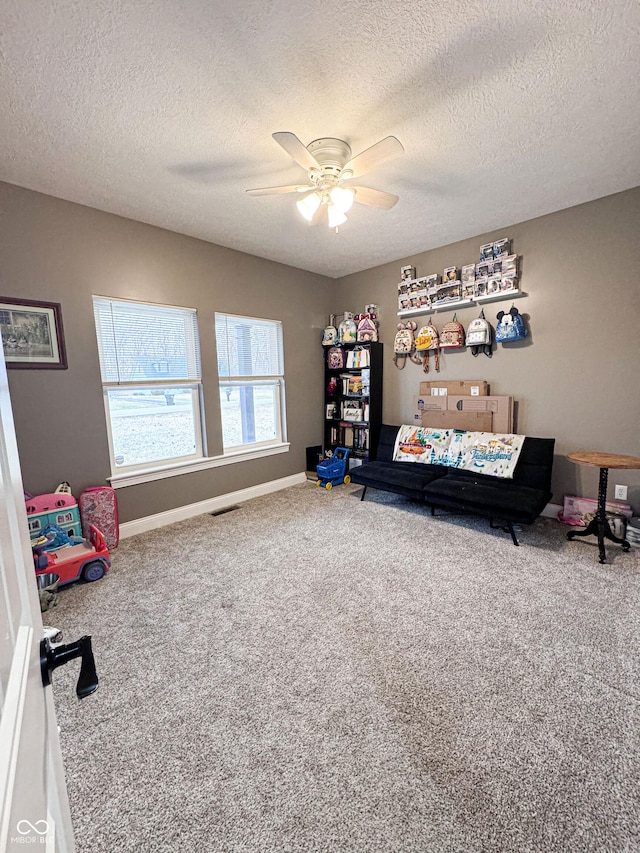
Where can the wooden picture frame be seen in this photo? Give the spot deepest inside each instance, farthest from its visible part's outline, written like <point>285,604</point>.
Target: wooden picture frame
<point>32,334</point>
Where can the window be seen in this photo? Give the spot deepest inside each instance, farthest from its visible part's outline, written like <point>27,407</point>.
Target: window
<point>251,377</point>
<point>151,378</point>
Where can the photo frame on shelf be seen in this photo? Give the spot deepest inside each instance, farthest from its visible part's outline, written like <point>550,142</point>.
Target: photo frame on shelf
<point>32,334</point>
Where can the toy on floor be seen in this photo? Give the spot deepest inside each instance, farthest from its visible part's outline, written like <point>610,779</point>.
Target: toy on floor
<point>98,505</point>
<point>47,590</point>
<point>59,508</point>
<point>56,537</point>
<point>333,470</point>
<point>88,560</point>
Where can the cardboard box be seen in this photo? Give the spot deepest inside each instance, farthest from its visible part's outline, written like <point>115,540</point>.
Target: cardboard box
<point>500,407</point>
<point>424,403</point>
<point>477,421</point>
<point>468,387</point>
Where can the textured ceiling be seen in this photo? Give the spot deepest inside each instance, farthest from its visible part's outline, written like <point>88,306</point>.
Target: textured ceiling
<point>163,110</point>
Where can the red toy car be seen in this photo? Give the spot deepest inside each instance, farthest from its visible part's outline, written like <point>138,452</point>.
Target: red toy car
<point>88,560</point>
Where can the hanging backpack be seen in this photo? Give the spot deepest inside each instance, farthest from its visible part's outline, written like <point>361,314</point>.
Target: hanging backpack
<point>336,358</point>
<point>510,326</point>
<point>403,344</point>
<point>428,339</point>
<point>479,336</point>
<point>452,335</point>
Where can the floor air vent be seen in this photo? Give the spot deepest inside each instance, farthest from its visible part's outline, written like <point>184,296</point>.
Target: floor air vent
<point>224,511</point>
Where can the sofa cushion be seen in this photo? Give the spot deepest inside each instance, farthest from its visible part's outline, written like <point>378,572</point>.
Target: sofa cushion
<point>404,478</point>
<point>488,496</point>
<point>386,443</point>
<point>535,463</point>
<point>533,469</point>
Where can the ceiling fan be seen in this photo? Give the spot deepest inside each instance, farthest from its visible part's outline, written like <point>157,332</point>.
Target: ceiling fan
<point>330,168</point>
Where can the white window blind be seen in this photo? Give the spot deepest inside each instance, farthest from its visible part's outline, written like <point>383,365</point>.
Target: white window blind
<point>248,347</point>
<point>146,343</point>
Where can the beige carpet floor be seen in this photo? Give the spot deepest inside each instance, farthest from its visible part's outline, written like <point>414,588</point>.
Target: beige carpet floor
<point>313,673</point>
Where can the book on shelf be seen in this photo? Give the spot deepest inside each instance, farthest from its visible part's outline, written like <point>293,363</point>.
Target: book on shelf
<point>361,438</point>
<point>352,435</point>
<point>354,385</point>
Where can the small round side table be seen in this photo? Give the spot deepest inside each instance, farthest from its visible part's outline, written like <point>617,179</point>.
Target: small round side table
<point>599,525</point>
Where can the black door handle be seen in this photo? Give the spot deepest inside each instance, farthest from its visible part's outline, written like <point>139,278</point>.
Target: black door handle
<point>51,657</point>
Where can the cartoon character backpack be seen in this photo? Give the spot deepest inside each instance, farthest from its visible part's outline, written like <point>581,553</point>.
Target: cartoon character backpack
<point>367,330</point>
<point>452,335</point>
<point>479,336</point>
<point>336,358</point>
<point>403,343</point>
<point>510,326</point>
<point>347,330</point>
<point>428,339</point>
<point>330,334</point>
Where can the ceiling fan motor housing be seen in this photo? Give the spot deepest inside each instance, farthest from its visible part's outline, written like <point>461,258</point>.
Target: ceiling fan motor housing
<point>329,151</point>
<point>331,154</point>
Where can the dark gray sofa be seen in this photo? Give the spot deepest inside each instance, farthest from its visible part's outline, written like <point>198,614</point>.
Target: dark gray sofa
<point>516,501</point>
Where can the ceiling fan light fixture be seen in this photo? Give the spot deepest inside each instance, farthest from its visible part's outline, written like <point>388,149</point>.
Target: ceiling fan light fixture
<point>308,205</point>
<point>335,216</point>
<point>342,198</point>
<point>328,163</point>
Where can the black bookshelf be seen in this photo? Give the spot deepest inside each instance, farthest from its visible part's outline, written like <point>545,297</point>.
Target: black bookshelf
<point>353,408</point>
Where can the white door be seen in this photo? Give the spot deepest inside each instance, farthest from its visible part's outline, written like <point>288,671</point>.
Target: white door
<point>34,809</point>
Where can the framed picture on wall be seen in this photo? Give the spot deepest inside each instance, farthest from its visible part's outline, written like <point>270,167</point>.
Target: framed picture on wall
<point>32,334</point>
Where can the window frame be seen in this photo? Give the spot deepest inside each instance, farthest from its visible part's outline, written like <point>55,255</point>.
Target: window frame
<point>194,382</point>
<point>280,437</point>
<point>197,410</point>
<point>276,380</point>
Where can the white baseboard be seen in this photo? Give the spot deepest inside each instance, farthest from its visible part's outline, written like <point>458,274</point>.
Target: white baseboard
<point>551,511</point>
<point>151,522</point>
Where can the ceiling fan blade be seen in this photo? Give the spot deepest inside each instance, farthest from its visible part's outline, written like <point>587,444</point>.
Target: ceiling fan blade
<point>295,149</point>
<point>386,149</point>
<point>292,188</point>
<point>374,198</point>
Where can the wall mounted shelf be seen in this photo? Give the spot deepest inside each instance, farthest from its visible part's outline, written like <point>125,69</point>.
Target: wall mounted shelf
<point>505,296</point>
<point>501,296</point>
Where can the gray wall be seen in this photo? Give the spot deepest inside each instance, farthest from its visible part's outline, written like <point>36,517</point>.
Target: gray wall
<point>577,377</point>
<point>62,252</point>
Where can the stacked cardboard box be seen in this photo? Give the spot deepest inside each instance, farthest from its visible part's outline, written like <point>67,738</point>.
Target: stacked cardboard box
<point>441,388</point>
<point>462,405</point>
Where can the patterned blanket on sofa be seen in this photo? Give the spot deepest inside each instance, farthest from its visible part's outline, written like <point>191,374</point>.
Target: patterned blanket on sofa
<point>488,453</point>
